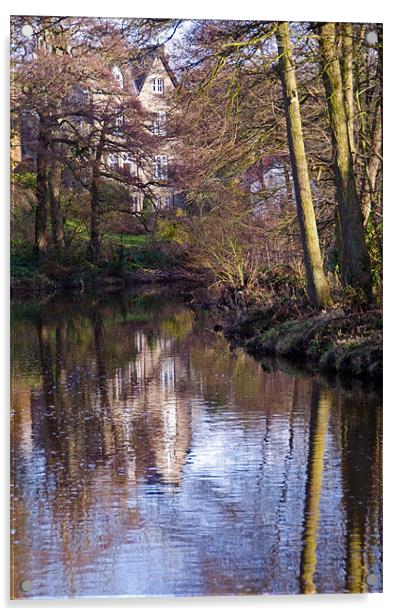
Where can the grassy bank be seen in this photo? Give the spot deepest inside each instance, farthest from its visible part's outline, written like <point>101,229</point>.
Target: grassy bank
<point>125,259</point>
<point>338,341</point>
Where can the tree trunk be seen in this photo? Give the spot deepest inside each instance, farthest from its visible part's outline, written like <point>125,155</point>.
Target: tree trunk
<point>355,262</point>
<point>318,288</point>
<point>41,194</point>
<point>372,168</point>
<point>95,202</point>
<point>370,195</point>
<point>94,247</point>
<point>54,185</point>
<point>347,80</point>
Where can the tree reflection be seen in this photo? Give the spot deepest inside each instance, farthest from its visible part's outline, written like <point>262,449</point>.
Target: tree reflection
<point>362,474</point>
<point>134,423</point>
<point>321,402</point>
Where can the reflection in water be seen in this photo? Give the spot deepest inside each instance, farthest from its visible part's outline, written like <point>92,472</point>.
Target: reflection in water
<point>149,458</point>
<point>319,409</point>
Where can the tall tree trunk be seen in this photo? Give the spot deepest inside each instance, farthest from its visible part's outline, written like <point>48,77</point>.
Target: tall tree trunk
<point>373,157</point>
<point>372,168</point>
<point>355,262</point>
<point>41,194</point>
<point>318,288</point>
<point>54,186</point>
<point>347,80</point>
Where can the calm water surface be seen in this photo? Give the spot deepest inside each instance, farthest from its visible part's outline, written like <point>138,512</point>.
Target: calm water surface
<point>150,459</point>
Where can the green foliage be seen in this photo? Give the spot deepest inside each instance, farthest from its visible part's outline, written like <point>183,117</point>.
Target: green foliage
<point>22,260</point>
<point>148,205</point>
<point>332,260</point>
<point>114,195</point>
<point>373,242</point>
<point>25,180</point>
<point>167,229</point>
<point>173,229</point>
<point>127,240</point>
<point>149,258</point>
<point>131,253</point>
<point>23,199</point>
<point>75,232</point>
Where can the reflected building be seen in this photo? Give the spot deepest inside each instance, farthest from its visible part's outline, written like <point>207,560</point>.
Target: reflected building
<point>149,458</point>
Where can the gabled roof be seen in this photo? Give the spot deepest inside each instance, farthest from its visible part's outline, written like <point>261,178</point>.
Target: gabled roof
<point>139,81</point>
<point>150,59</point>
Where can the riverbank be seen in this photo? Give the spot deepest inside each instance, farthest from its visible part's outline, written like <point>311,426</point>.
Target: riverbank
<point>345,340</point>
<point>337,341</point>
<point>41,285</point>
<point>133,261</point>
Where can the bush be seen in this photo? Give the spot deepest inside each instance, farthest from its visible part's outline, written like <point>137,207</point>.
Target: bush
<point>23,202</point>
<point>22,260</point>
<point>120,259</point>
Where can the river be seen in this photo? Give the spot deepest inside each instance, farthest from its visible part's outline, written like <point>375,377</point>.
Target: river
<point>150,458</point>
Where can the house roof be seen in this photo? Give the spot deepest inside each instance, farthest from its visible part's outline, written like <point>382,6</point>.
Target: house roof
<point>145,69</point>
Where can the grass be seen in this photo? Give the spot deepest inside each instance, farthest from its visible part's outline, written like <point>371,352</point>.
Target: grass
<point>127,240</point>
<point>123,255</point>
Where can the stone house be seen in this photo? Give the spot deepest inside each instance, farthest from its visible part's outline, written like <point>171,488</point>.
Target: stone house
<point>153,83</point>
<point>154,89</point>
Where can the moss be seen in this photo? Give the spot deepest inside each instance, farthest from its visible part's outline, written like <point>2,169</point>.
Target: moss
<point>361,358</point>
<point>328,360</point>
<point>333,342</point>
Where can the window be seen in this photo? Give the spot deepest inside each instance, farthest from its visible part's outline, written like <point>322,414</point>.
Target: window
<point>118,124</point>
<point>161,167</point>
<point>117,74</point>
<point>157,85</point>
<point>169,201</point>
<point>159,123</point>
<point>164,202</point>
<point>129,164</point>
<point>135,204</point>
<point>113,160</point>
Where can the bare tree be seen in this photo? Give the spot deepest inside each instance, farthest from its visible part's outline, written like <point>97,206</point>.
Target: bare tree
<point>318,288</point>
<point>355,262</point>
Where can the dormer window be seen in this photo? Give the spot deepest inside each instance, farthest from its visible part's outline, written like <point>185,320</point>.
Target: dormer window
<point>158,85</point>
<point>117,75</point>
